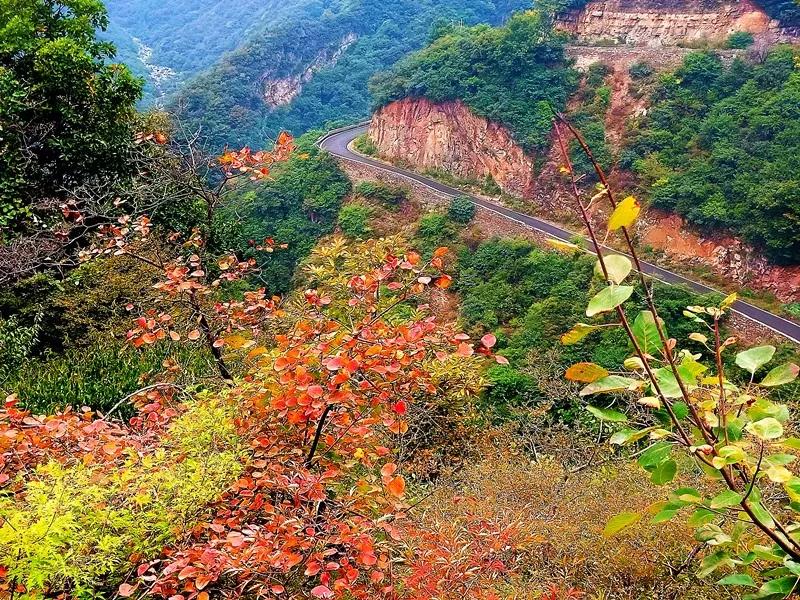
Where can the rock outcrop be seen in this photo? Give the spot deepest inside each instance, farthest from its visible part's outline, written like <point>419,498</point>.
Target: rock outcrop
<point>667,22</point>
<point>281,91</point>
<point>449,137</point>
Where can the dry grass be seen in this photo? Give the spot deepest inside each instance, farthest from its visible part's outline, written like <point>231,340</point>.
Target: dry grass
<point>561,516</point>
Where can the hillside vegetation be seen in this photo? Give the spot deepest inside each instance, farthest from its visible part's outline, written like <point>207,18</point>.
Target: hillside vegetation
<point>515,75</point>
<point>721,146</point>
<point>238,375</point>
<point>228,101</point>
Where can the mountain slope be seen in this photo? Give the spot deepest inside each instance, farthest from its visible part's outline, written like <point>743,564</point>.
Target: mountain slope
<point>314,67</point>
<point>168,41</point>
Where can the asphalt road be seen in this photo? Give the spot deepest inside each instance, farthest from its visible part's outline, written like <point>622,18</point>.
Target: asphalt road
<point>337,144</point>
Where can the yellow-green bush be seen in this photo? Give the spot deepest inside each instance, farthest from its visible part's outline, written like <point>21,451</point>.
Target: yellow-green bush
<point>82,527</point>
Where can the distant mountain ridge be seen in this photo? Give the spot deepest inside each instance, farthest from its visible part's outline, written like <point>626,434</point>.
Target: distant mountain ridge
<point>169,41</point>
<point>312,67</point>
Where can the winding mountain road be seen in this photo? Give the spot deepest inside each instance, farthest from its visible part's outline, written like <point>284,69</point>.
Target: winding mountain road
<point>338,142</point>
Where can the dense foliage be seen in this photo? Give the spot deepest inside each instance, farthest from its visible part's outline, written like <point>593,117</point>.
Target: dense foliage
<point>365,36</point>
<point>722,147</point>
<point>513,74</point>
<point>299,204</point>
<point>529,294</point>
<point>65,112</point>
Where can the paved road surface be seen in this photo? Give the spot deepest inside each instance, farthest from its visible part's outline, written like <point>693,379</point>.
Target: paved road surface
<point>337,143</point>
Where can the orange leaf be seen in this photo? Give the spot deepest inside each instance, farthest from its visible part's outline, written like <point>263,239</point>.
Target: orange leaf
<point>397,486</point>
<point>444,282</point>
<point>194,335</point>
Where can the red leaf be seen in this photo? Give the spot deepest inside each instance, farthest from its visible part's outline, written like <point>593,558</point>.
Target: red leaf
<point>322,591</point>
<point>444,282</point>
<point>489,340</point>
<point>126,590</point>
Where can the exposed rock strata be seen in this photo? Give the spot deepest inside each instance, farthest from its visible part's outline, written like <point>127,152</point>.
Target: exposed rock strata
<point>282,90</point>
<point>449,137</point>
<point>667,22</point>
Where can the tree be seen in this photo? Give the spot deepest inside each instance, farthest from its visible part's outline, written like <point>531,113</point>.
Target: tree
<point>65,112</point>
<point>461,209</point>
<point>728,426</point>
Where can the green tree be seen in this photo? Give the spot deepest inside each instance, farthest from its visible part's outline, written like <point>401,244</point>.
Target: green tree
<point>65,112</point>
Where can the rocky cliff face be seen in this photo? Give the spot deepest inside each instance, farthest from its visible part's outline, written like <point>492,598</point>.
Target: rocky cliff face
<point>449,137</point>
<point>281,91</point>
<point>667,22</point>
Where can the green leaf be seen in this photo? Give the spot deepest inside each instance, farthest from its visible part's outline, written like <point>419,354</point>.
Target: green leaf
<point>744,580</point>
<point>667,383</point>
<point>613,383</point>
<point>655,455</point>
<point>715,561</point>
<point>728,455</point>
<point>690,495</point>
<point>753,359</point>
<point>792,442</point>
<point>646,333</point>
<point>763,408</point>
<point>620,522</point>
<point>623,437</point>
<point>761,514</point>
<point>618,267</point>
<point>712,535</point>
<point>781,375</point>
<point>663,516</point>
<point>609,299</point>
<point>766,429</point>
<point>780,587</point>
<point>664,473</point>
<point>606,414</point>
<point>701,516</point>
<point>725,499</point>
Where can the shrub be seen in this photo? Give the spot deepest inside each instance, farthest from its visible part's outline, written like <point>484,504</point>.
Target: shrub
<point>389,196</point>
<point>365,145</point>
<point>96,378</point>
<point>78,525</point>
<point>353,220</point>
<point>740,40</point>
<point>641,70</point>
<point>434,230</point>
<point>461,210</point>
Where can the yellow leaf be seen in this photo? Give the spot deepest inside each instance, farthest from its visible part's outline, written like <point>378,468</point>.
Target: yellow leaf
<point>586,372</point>
<point>625,214</point>
<point>562,245</point>
<point>234,342</point>
<point>577,333</point>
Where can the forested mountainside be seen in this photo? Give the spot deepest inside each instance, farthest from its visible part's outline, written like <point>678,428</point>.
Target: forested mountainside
<point>314,69</point>
<point>715,142</point>
<point>167,42</point>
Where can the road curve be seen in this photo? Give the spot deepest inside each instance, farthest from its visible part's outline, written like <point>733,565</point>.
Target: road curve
<point>337,143</point>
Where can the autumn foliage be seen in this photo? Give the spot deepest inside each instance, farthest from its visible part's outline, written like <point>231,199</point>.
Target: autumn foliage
<point>317,504</point>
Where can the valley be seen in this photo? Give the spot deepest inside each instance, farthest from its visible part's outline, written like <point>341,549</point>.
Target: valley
<point>417,300</point>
